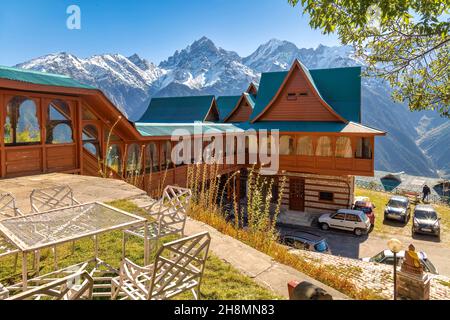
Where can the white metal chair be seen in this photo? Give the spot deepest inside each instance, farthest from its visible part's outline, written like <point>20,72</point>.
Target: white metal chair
<point>77,286</point>
<point>179,267</point>
<point>8,209</point>
<point>47,199</point>
<point>52,198</point>
<point>4,293</point>
<point>168,215</point>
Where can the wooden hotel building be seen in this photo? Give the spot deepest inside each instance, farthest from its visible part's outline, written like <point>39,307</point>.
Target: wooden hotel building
<point>52,123</point>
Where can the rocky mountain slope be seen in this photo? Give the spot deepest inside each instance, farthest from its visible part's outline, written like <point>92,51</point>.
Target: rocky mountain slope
<point>415,143</point>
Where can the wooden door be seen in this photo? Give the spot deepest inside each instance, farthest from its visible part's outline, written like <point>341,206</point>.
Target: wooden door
<point>297,194</point>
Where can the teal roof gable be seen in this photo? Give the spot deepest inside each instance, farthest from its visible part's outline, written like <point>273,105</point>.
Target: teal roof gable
<point>178,109</point>
<point>41,78</point>
<point>226,105</point>
<point>340,88</point>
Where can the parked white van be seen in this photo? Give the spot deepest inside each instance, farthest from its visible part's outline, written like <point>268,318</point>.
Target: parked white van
<point>345,219</point>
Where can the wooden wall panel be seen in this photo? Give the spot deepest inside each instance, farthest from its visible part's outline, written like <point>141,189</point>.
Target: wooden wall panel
<point>242,114</point>
<point>304,108</point>
<point>23,161</point>
<point>61,158</point>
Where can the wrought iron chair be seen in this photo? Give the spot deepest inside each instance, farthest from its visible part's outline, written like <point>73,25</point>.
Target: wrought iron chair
<point>168,215</point>
<point>77,286</point>
<point>4,293</point>
<point>52,198</point>
<point>179,267</point>
<point>8,209</point>
<point>47,199</point>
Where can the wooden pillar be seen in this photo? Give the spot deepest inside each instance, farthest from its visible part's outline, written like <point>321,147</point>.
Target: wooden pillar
<point>2,135</point>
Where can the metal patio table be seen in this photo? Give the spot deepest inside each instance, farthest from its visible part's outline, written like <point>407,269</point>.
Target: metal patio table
<point>48,229</point>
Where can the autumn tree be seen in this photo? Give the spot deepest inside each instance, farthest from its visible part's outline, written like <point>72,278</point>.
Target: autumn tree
<point>405,42</point>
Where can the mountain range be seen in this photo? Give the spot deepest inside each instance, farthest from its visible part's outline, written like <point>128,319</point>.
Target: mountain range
<point>416,141</point>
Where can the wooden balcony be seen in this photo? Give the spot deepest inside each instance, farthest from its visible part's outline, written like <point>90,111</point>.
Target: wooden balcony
<point>327,165</point>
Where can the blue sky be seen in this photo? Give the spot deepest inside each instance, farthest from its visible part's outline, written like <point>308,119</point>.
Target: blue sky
<point>152,28</point>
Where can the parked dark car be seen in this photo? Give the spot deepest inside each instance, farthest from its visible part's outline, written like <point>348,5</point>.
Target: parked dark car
<point>306,241</point>
<point>426,221</point>
<point>398,208</point>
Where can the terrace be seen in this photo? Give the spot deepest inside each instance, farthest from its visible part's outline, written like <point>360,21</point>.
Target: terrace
<point>226,275</point>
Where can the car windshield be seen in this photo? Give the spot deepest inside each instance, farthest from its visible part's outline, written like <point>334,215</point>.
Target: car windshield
<point>425,215</point>
<point>396,204</point>
<point>378,258</point>
<point>322,246</point>
<point>429,267</point>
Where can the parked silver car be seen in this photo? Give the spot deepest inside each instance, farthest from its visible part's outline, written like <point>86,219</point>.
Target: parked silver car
<point>426,221</point>
<point>387,257</point>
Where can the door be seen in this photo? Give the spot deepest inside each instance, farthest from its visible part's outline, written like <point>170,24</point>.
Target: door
<point>338,221</point>
<point>297,194</point>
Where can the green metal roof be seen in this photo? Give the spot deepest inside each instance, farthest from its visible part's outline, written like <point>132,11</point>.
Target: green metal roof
<point>226,104</point>
<point>177,109</point>
<point>339,87</point>
<point>168,129</point>
<point>40,78</point>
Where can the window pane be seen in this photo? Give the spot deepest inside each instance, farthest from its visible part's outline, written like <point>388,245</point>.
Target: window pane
<point>286,145</point>
<point>364,148</point>
<point>21,123</point>
<point>305,146</point>
<point>166,155</point>
<point>62,133</point>
<point>90,140</point>
<point>151,158</point>
<point>324,147</point>
<point>114,159</point>
<point>59,124</point>
<point>344,147</point>
<point>134,160</point>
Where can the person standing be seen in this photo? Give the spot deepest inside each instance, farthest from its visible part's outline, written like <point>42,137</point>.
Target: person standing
<point>426,193</point>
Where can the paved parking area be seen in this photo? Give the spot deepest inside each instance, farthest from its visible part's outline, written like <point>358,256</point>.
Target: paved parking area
<point>347,245</point>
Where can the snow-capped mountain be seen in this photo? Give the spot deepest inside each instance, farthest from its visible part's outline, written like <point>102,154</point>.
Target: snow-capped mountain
<point>204,68</point>
<point>126,81</point>
<point>207,69</point>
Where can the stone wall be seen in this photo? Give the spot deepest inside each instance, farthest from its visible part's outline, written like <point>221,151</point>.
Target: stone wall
<point>373,276</point>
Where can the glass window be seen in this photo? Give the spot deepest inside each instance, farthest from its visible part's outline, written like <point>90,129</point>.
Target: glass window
<point>59,123</point>
<point>352,217</point>
<point>166,156</point>
<point>344,147</point>
<point>305,146</point>
<point>364,148</point>
<point>134,159</point>
<point>21,123</point>
<point>90,140</point>
<point>326,196</point>
<point>151,158</point>
<point>339,216</point>
<point>324,147</point>
<point>286,145</point>
<point>114,158</point>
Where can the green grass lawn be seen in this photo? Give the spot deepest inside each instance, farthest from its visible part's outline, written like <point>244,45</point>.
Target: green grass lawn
<point>220,282</point>
<point>386,228</point>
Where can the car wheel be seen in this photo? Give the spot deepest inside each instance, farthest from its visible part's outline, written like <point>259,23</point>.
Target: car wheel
<point>325,226</point>
<point>405,220</point>
<point>358,232</point>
